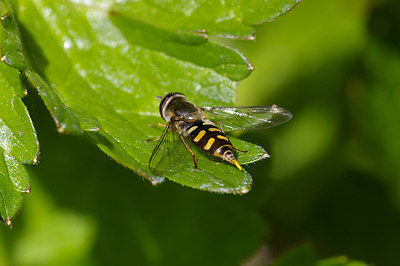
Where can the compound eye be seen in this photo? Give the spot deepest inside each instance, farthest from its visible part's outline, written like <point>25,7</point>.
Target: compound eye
<point>192,117</point>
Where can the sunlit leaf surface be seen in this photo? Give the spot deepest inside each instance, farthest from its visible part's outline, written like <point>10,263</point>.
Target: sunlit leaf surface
<point>18,144</point>
<point>107,69</point>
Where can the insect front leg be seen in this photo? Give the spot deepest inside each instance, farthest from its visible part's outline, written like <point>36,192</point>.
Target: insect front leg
<point>157,125</point>
<point>156,139</point>
<point>191,152</point>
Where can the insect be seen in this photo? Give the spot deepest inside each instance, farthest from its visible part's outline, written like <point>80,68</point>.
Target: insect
<point>186,120</point>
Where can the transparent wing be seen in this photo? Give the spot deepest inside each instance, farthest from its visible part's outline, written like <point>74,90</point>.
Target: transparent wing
<point>248,117</point>
<point>168,153</point>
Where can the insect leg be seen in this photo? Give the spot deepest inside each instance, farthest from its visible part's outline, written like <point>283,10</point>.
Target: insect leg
<point>157,125</point>
<point>220,126</point>
<point>239,150</point>
<point>191,152</point>
<point>156,139</point>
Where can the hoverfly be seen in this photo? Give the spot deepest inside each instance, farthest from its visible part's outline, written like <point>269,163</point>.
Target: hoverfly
<point>186,120</point>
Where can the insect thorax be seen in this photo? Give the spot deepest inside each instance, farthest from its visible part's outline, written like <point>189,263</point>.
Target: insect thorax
<point>179,108</point>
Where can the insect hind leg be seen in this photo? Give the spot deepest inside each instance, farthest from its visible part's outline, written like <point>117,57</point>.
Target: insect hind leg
<point>191,152</point>
<point>239,150</point>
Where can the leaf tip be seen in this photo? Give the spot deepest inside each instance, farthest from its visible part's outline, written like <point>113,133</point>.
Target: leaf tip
<point>252,37</point>
<point>61,129</point>
<point>4,17</point>
<point>8,222</point>
<point>36,159</point>
<point>265,155</point>
<point>250,67</point>
<point>3,59</point>
<point>244,190</point>
<point>27,190</point>
<point>153,180</point>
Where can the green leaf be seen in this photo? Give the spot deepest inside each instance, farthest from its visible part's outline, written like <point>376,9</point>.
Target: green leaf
<point>302,255</point>
<point>12,52</point>
<point>305,255</point>
<point>18,144</point>
<point>233,19</point>
<point>34,245</point>
<point>14,180</point>
<point>107,69</point>
<point>340,261</point>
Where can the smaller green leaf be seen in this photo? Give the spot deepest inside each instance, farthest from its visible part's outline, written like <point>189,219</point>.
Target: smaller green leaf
<point>18,145</point>
<point>18,142</point>
<point>340,261</point>
<point>52,235</point>
<point>17,135</point>
<point>10,197</point>
<point>12,52</point>
<point>305,255</point>
<point>18,174</point>
<point>302,255</point>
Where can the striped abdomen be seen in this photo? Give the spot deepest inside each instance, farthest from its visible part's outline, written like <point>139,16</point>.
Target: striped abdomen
<point>210,139</point>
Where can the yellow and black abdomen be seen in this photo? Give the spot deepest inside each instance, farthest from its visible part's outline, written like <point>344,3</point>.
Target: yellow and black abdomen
<point>209,138</point>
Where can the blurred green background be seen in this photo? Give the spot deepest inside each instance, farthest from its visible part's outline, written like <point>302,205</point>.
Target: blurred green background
<point>332,183</point>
